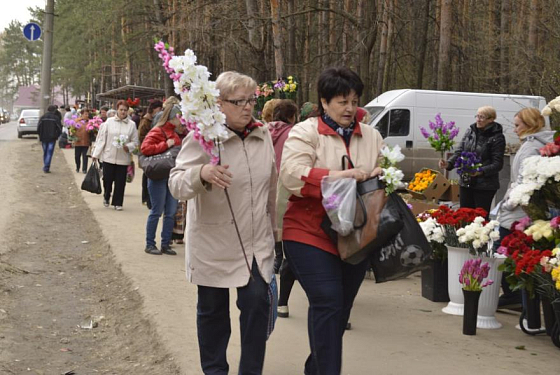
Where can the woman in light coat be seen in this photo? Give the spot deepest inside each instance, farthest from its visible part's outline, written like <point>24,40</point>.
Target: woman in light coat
<point>116,139</point>
<point>529,125</point>
<point>215,260</point>
<point>313,150</point>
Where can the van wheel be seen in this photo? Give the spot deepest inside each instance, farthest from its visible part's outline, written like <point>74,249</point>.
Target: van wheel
<point>19,135</point>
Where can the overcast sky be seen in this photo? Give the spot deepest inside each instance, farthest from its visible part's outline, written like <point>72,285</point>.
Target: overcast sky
<point>17,10</point>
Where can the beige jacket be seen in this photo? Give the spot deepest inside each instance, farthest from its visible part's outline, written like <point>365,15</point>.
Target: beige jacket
<point>309,147</point>
<point>213,254</point>
<point>109,131</point>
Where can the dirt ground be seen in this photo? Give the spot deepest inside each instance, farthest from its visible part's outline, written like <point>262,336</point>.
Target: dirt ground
<point>58,278</point>
<point>51,283</point>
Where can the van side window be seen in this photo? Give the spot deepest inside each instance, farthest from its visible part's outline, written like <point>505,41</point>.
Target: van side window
<point>383,125</point>
<point>400,123</point>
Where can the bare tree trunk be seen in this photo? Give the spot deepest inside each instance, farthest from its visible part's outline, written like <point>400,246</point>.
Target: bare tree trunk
<point>277,39</point>
<point>113,57</point>
<point>444,68</point>
<point>167,82</point>
<point>421,45</point>
<point>437,27</point>
<point>127,61</point>
<point>504,46</point>
<point>533,42</point>
<point>389,53</point>
<point>382,46</point>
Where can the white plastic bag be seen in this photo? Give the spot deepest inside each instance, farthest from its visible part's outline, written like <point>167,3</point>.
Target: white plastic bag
<point>339,200</point>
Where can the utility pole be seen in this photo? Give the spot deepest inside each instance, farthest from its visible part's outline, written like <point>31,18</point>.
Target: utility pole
<point>47,56</point>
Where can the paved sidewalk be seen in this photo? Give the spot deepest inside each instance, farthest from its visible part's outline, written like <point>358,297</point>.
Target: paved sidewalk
<point>395,330</point>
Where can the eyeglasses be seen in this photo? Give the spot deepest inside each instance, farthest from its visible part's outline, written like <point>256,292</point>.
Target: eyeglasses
<point>480,117</point>
<point>242,102</point>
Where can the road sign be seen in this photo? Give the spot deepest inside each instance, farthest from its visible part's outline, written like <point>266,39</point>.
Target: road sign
<point>32,31</point>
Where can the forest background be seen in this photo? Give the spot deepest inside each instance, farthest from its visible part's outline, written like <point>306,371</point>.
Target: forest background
<point>494,46</point>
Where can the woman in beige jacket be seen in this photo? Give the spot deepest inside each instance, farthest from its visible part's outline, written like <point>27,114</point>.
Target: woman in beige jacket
<point>215,260</point>
<point>116,139</point>
<point>313,150</point>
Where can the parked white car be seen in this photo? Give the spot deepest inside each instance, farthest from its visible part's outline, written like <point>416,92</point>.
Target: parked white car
<point>27,122</point>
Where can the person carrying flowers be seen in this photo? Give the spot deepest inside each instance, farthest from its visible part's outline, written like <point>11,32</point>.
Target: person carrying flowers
<point>314,150</point>
<point>483,143</point>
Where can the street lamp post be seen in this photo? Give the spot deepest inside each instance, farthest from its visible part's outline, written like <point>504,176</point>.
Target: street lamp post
<point>47,56</point>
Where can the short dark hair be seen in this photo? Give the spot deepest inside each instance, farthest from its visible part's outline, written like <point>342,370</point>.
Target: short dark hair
<point>52,108</point>
<point>67,109</point>
<point>153,105</point>
<point>337,81</point>
<point>104,108</point>
<point>284,111</point>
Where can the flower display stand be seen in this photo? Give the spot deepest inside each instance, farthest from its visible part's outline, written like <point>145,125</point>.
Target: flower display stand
<point>489,298</point>
<point>434,281</point>
<point>456,256</point>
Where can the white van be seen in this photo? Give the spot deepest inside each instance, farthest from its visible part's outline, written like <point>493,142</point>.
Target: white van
<point>399,114</point>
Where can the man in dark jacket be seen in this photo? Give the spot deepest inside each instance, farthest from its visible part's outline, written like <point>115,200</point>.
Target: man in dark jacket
<point>49,129</point>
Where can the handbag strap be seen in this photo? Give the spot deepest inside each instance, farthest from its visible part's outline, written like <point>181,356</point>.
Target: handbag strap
<point>164,134</point>
<point>350,164</point>
<point>361,204</point>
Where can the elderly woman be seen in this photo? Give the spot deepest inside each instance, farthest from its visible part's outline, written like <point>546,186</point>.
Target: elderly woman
<point>161,138</point>
<point>529,125</point>
<point>313,150</point>
<point>116,139</point>
<point>486,139</point>
<point>216,261</point>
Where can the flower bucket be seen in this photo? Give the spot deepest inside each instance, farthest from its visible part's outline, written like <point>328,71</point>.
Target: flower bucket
<point>434,281</point>
<point>456,257</point>
<point>555,336</point>
<point>471,298</point>
<point>532,310</point>
<point>549,317</point>
<point>489,298</point>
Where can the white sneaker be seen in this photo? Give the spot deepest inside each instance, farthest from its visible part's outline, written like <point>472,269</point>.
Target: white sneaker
<point>118,208</point>
<point>283,311</point>
<point>105,203</point>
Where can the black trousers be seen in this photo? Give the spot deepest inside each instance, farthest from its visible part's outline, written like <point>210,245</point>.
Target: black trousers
<point>80,155</point>
<point>114,174</point>
<point>287,279</point>
<point>145,192</point>
<point>214,329</point>
<point>474,198</point>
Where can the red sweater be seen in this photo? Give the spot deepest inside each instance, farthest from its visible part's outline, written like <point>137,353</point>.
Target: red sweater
<point>156,140</point>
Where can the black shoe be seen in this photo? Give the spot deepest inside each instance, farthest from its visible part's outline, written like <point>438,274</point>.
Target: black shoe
<point>77,170</point>
<point>510,302</point>
<point>84,171</point>
<point>348,326</point>
<point>151,249</point>
<point>166,249</point>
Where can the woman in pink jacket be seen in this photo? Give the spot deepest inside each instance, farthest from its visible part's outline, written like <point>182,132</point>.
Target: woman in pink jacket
<point>161,138</point>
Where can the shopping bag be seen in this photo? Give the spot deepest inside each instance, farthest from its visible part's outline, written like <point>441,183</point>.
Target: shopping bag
<point>92,181</point>
<point>339,201</point>
<point>405,253</point>
<point>130,171</point>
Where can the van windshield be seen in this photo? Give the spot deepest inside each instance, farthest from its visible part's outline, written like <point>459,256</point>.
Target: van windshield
<point>374,112</point>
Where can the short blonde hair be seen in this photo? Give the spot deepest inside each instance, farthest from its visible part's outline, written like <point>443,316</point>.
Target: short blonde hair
<point>488,111</point>
<point>268,110</point>
<point>532,118</point>
<point>231,81</point>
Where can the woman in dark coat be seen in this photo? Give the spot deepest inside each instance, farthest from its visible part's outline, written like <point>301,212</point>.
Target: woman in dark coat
<point>486,139</point>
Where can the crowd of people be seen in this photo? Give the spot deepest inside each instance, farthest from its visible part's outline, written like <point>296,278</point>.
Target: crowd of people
<point>271,171</point>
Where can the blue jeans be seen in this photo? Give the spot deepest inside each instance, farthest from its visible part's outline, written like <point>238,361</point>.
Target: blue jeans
<point>48,150</point>
<point>214,327</point>
<point>331,286</point>
<point>162,203</point>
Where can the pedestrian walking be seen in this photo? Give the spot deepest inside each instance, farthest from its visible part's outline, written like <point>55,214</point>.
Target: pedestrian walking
<point>160,139</point>
<point>49,129</point>
<point>145,126</point>
<point>215,259</point>
<point>313,150</point>
<point>81,145</point>
<point>116,139</point>
<point>283,119</point>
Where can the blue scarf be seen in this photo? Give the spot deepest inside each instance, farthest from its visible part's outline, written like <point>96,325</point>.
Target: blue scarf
<point>345,133</point>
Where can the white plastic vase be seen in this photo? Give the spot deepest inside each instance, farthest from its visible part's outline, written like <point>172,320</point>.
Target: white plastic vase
<point>456,257</point>
<point>488,303</point>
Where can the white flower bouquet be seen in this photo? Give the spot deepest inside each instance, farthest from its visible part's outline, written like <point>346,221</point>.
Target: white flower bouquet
<point>479,237</point>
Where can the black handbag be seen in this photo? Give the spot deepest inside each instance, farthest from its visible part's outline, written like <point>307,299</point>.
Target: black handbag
<point>157,167</point>
<point>92,181</point>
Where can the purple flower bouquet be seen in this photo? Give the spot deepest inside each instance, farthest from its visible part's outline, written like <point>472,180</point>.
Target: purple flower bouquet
<point>442,135</point>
